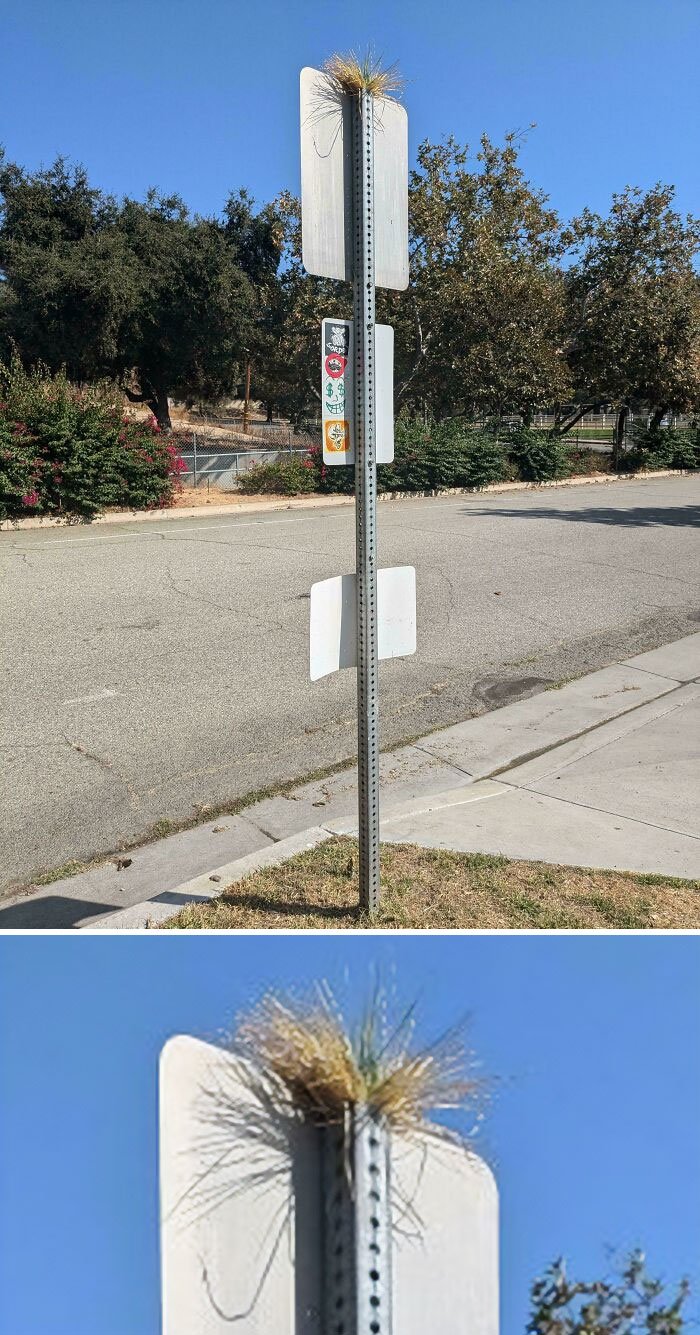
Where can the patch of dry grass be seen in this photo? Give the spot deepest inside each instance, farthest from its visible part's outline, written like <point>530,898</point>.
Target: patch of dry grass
<point>433,888</point>
<point>302,1051</point>
<point>355,74</point>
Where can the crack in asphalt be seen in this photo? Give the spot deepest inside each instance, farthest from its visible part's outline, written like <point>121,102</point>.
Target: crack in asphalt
<point>452,601</point>
<point>221,607</point>
<point>106,764</point>
<point>17,551</point>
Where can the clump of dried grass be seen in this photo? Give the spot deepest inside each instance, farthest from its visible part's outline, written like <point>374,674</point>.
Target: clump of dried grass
<point>357,74</point>
<point>304,1054</point>
<point>297,1063</point>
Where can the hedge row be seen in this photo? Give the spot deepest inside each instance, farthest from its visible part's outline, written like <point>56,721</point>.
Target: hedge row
<point>71,452</point>
<point>453,454</point>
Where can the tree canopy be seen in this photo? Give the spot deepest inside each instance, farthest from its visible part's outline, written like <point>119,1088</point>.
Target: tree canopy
<point>508,310</point>
<point>628,1303</point>
<point>633,298</point>
<point>138,291</point>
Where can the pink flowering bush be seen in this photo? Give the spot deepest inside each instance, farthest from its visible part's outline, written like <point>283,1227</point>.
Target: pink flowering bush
<point>72,452</point>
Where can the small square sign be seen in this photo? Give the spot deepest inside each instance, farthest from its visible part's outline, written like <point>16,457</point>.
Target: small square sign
<point>336,437</point>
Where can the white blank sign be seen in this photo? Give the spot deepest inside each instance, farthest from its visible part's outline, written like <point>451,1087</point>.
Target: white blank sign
<point>384,395</point>
<point>250,1261</point>
<point>333,621</point>
<point>326,184</point>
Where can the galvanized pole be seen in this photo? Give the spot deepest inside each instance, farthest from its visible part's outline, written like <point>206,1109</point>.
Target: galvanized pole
<point>357,1289</point>
<point>366,500</point>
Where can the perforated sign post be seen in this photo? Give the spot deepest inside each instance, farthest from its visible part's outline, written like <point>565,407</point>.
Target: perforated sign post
<point>350,230</point>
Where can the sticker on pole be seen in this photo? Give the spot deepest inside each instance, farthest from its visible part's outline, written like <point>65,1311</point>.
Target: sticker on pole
<point>326,184</point>
<point>338,391</point>
<point>333,624</point>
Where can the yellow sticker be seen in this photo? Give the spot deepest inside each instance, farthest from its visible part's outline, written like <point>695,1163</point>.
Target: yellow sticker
<point>337,437</point>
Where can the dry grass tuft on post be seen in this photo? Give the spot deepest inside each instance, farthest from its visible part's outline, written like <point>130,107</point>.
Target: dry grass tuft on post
<point>360,74</point>
<point>298,1064</point>
<point>304,1055</point>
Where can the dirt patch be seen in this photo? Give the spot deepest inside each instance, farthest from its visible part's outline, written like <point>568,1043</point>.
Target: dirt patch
<point>204,495</point>
<point>433,888</point>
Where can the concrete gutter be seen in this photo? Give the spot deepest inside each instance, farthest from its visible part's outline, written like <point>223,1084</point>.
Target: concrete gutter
<point>261,505</point>
<point>209,885</point>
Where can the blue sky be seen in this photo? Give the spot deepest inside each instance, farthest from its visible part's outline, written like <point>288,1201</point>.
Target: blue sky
<point>593,1136</point>
<point>201,96</point>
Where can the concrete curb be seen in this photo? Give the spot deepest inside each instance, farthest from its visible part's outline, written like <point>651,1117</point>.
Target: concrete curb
<point>153,912</point>
<point>318,502</point>
<point>559,721</point>
<point>513,747</point>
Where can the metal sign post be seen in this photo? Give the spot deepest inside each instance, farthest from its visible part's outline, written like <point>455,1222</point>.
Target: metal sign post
<point>356,1225</point>
<point>351,231</point>
<point>366,500</point>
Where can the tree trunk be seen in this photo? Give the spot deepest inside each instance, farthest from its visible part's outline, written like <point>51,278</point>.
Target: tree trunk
<point>562,424</point>
<point>158,404</point>
<point>656,418</point>
<point>619,437</point>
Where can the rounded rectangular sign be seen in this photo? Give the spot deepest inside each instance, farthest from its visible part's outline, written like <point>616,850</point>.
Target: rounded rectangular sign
<point>333,623</point>
<point>326,184</point>
<point>241,1216</point>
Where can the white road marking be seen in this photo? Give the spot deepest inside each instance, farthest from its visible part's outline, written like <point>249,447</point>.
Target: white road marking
<point>159,532</point>
<point>89,699</point>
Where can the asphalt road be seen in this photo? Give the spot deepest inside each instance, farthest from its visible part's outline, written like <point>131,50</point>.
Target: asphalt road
<point>150,669</point>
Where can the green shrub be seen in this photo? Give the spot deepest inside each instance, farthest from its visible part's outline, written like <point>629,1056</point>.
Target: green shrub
<point>482,460</point>
<point>287,476</point>
<point>663,447</point>
<point>439,455</point>
<point>538,456</point>
<point>72,452</point>
<point>582,462</point>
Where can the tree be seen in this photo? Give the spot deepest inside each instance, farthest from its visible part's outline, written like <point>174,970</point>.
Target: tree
<point>634,306</point>
<point>630,1303</point>
<point>68,286</point>
<point>140,292</point>
<point>188,326</point>
<point>288,333</point>
<point>481,327</point>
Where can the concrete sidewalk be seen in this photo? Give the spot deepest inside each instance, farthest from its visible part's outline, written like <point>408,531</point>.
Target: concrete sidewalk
<point>601,772</point>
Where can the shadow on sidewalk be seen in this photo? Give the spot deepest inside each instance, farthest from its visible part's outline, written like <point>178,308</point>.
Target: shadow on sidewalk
<point>50,911</point>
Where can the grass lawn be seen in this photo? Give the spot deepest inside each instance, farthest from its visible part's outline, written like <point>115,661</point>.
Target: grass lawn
<point>423,887</point>
<point>588,433</point>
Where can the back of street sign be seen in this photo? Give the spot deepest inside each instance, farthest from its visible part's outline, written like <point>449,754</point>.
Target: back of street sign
<point>326,184</point>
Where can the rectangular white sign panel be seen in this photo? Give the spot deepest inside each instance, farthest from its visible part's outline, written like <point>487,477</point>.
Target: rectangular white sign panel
<point>248,1259</point>
<point>333,623</point>
<point>326,184</point>
<point>338,392</point>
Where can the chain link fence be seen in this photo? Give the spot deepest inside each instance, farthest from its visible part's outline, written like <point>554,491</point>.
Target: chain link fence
<point>215,458</point>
